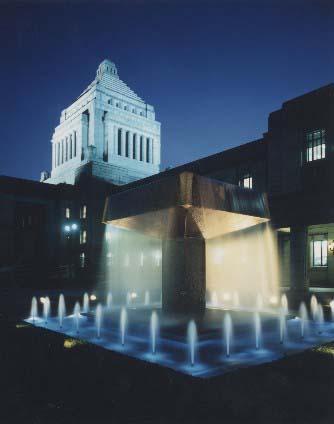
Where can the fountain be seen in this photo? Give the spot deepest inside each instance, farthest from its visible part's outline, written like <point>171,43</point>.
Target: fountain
<point>98,319</point>
<point>123,322</point>
<point>284,304</point>
<point>236,302</point>
<point>227,331</point>
<point>192,341</point>
<point>214,299</point>
<point>257,328</point>
<point>76,316</point>
<point>61,310</point>
<point>331,305</point>
<point>154,329</point>
<point>109,300</point>
<point>46,309</point>
<point>320,317</point>
<point>34,309</point>
<point>314,307</point>
<point>303,319</point>
<point>282,325</point>
<point>259,302</point>
<point>147,298</point>
<point>128,299</point>
<point>85,308</point>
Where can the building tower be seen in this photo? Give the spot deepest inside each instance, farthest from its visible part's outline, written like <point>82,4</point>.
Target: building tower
<point>108,132</point>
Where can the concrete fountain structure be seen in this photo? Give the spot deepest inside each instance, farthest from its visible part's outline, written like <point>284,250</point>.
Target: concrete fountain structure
<point>185,211</point>
<point>193,218</point>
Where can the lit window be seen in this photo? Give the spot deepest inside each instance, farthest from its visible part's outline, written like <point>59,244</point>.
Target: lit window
<point>82,260</point>
<point>315,145</point>
<point>83,236</point>
<point>246,181</point>
<point>83,212</point>
<point>67,213</point>
<point>318,251</point>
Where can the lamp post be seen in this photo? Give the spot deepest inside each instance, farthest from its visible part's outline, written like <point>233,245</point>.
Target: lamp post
<point>70,230</point>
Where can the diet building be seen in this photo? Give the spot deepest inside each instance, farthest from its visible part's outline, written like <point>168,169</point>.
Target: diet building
<point>109,132</point>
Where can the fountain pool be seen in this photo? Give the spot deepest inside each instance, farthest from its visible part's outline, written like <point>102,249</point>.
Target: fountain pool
<point>193,345</point>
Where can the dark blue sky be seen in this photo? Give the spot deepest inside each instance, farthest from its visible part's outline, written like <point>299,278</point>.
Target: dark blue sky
<point>213,70</point>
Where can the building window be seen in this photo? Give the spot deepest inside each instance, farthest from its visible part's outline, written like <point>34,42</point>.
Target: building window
<point>67,213</point>
<point>82,259</point>
<point>83,236</point>
<point>246,181</point>
<point>315,145</point>
<point>318,251</point>
<point>127,144</point>
<point>141,148</point>
<point>83,212</point>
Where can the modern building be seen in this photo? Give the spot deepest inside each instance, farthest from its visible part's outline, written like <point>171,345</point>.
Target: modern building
<point>109,141</point>
<point>109,132</point>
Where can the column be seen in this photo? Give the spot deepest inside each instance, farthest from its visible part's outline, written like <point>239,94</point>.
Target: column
<point>137,146</point>
<point>143,148</point>
<point>122,142</point>
<point>298,266</point>
<point>183,275</point>
<point>152,150</point>
<point>62,152</point>
<point>54,155</point>
<point>130,140</point>
<point>149,141</point>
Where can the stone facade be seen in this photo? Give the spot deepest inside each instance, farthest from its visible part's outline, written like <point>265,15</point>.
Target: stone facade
<point>110,127</point>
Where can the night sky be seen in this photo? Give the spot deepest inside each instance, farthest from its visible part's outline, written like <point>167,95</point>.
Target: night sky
<point>212,70</point>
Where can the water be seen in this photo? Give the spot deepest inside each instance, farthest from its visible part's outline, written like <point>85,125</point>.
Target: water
<point>76,316</point>
<point>282,325</point>
<point>236,302</point>
<point>109,300</point>
<point>214,299</point>
<point>314,307</point>
<point>320,316</point>
<point>227,331</point>
<point>284,304</point>
<point>303,319</point>
<point>98,319</point>
<point>61,310</point>
<point>46,309</point>
<point>257,329</point>
<point>128,298</point>
<point>192,340</point>
<point>85,308</point>
<point>123,322</point>
<point>34,309</point>
<point>154,329</point>
<point>259,302</point>
<point>147,298</point>
<point>331,305</point>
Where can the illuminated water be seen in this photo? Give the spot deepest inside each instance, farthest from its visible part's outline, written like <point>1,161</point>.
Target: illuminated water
<point>314,307</point>
<point>123,322</point>
<point>227,332</point>
<point>147,298</point>
<point>61,310</point>
<point>85,307</point>
<point>192,341</point>
<point>46,309</point>
<point>98,319</point>
<point>303,316</point>
<point>34,310</point>
<point>154,330</point>
<point>109,300</point>
<point>256,337</point>
<point>76,317</point>
<point>284,304</point>
<point>257,329</point>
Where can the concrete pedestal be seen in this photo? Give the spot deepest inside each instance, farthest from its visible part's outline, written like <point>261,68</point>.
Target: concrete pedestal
<point>183,275</point>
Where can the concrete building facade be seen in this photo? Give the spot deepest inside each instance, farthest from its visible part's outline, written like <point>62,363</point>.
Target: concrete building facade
<point>109,132</point>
